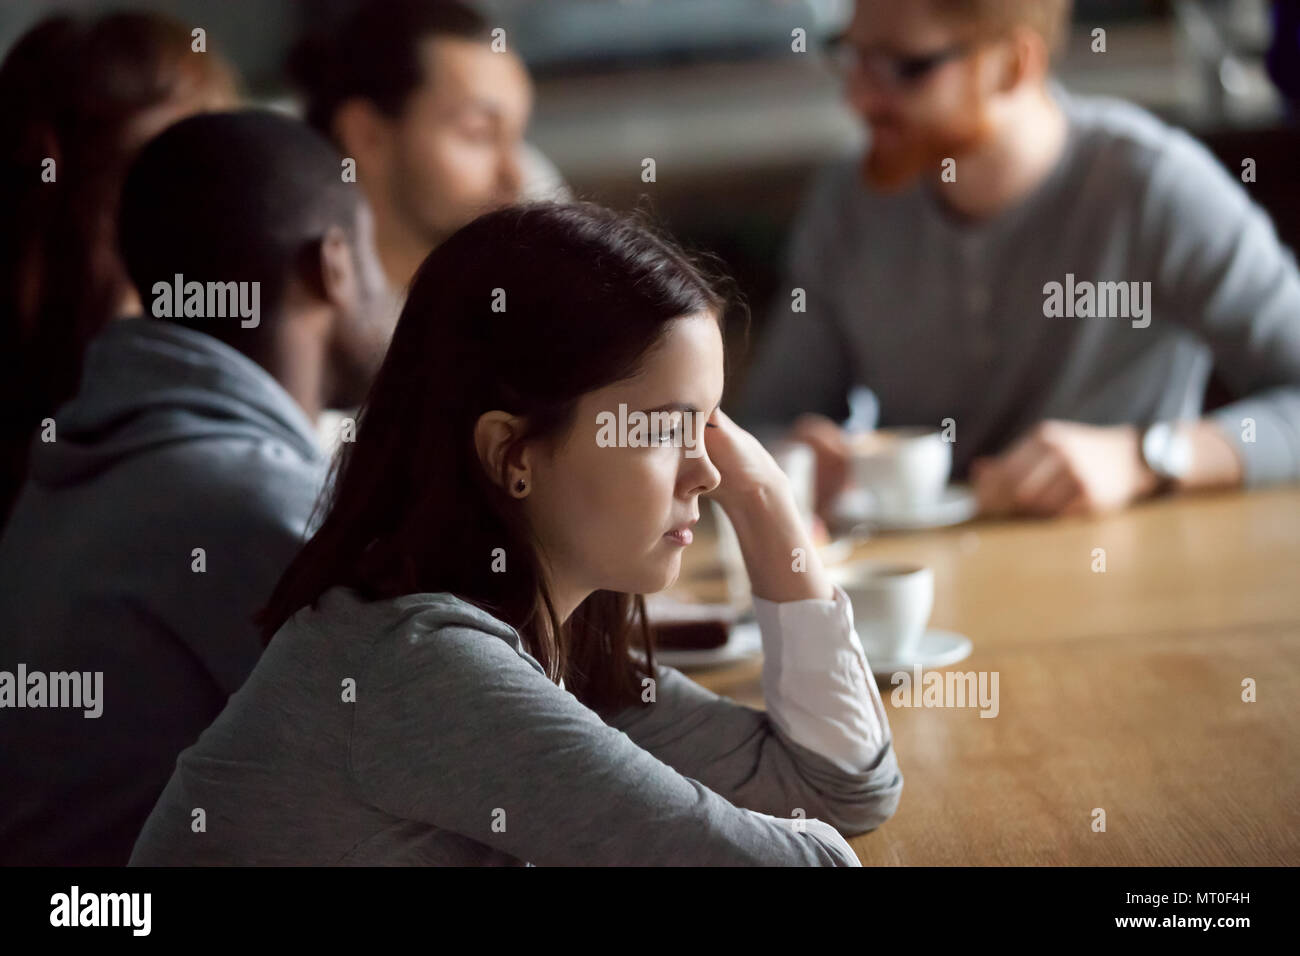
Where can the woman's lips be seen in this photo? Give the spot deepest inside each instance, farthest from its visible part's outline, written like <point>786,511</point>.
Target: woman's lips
<point>682,536</point>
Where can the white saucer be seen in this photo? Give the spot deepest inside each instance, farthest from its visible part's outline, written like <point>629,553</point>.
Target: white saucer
<point>857,506</point>
<point>745,642</point>
<point>937,648</point>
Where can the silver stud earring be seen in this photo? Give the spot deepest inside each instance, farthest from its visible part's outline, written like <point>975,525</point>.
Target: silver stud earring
<point>520,485</point>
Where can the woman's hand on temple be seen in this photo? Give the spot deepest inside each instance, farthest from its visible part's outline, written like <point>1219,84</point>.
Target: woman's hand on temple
<point>778,548</point>
<point>748,471</point>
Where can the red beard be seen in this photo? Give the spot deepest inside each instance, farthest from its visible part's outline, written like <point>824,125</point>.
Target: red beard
<point>924,148</point>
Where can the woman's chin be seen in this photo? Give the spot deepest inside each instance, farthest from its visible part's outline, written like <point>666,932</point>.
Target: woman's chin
<point>657,572</point>
<point>664,574</point>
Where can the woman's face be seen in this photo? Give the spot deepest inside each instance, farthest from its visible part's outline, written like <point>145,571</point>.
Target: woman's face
<point>604,512</point>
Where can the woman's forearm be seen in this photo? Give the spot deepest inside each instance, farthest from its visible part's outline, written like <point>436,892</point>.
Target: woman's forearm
<point>777,546</point>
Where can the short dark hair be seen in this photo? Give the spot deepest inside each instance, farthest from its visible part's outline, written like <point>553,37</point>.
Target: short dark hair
<point>375,54</point>
<point>231,197</point>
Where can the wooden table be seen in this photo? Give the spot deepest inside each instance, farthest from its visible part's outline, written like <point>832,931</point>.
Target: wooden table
<point>1120,690</point>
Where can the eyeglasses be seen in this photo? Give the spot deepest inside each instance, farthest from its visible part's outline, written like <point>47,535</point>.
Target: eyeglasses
<point>893,70</point>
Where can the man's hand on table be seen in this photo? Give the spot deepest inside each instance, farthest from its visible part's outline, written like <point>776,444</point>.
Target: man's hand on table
<point>1062,468</point>
<point>1057,468</point>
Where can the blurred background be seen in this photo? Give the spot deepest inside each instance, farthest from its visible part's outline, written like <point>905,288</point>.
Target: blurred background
<point>737,122</point>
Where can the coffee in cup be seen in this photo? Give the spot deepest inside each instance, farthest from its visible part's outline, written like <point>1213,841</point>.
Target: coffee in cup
<point>891,605</point>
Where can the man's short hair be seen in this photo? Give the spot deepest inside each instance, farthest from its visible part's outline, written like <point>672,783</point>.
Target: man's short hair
<point>232,197</point>
<point>374,54</point>
<point>997,18</point>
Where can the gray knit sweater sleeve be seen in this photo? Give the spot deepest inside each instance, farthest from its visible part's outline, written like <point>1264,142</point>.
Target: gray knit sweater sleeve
<point>455,728</point>
<point>1220,269</point>
<point>740,754</point>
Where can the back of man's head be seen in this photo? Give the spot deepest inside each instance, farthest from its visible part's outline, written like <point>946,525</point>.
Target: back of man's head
<point>220,198</point>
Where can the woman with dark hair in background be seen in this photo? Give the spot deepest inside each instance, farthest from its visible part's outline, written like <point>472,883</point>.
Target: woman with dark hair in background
<point>78,97</point>
<point>458,668</point>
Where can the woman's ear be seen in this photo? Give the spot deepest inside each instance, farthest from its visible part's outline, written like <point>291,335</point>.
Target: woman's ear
<point>504,458</point>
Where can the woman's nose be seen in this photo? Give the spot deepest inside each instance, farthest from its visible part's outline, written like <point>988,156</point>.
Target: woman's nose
<point>703,476</point>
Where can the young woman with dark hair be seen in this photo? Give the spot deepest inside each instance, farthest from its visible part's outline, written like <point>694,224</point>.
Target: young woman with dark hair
<point>450,675</point>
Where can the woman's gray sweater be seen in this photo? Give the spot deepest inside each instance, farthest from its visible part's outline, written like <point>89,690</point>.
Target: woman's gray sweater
<point>417,730</point>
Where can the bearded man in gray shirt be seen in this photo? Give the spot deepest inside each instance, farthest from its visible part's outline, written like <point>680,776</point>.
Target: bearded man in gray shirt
<point>1054,274</point>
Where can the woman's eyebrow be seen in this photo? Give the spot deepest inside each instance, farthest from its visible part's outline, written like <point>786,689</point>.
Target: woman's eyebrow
<point>679,407</point>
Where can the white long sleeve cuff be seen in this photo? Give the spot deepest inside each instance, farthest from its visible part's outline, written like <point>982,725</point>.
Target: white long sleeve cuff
<point>816,681</point>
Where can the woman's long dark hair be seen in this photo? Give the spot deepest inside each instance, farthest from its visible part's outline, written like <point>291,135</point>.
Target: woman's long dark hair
<point>586,293</point>
<point>71,90</point>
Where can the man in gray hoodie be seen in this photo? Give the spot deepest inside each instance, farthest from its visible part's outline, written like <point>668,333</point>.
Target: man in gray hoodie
<point>168,495</point>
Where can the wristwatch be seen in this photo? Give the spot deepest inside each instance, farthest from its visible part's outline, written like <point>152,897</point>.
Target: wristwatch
<point>1167,451</point>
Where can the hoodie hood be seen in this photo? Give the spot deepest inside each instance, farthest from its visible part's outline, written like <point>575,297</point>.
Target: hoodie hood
<point>147,383</point>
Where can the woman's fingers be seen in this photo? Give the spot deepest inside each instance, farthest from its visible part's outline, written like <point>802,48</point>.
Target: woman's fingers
<point>743,463</point>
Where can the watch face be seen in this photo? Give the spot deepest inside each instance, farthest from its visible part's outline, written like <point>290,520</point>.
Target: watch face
<point>1167,450</point>
<point>1178,459</point>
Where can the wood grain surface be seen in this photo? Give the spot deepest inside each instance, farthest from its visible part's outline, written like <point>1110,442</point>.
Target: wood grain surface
<point>1119,690</point>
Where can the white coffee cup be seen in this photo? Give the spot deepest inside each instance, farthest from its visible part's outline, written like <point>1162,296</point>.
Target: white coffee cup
<point>799,463</point>
<point>891,605</point>
<point>902,468</point>
<point>739,595</point>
